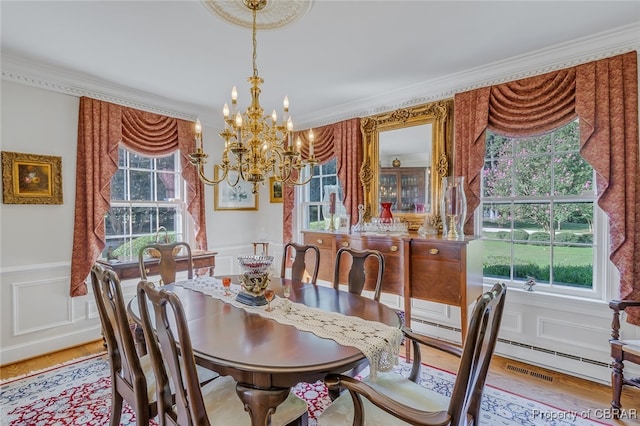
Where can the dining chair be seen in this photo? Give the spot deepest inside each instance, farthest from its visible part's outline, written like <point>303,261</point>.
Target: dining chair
<point>622,350</point>
<point>174,367</point>
<point>393,399</point>
<point>299,265</point>
<point>357,278</point>
<point>132,377</point>
<point>167,266</point>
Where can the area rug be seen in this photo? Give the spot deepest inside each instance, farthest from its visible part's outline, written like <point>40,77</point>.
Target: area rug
<point>79,393</point>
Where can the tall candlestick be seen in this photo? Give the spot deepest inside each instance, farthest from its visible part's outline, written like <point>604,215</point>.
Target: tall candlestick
<point>332,203</point>
<point>453,205</point>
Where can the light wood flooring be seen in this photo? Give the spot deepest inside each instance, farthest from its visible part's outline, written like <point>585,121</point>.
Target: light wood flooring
<point>564,391</point>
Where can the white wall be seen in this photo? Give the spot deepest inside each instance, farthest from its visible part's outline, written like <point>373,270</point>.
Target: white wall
<point>38,316</point>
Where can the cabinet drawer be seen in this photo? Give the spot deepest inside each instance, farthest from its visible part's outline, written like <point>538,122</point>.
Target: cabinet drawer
<point>436,251</point>
<point>387,248</point>
<point>322,241</point>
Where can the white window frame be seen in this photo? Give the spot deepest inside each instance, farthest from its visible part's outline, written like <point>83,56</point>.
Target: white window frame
<point>303,194</point>
<point>184,227</point>
<point>604,272</point>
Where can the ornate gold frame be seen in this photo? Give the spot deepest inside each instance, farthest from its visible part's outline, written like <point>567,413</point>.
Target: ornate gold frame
<point>31,178</point>
<point>275,196</point>
<point>439,114</point>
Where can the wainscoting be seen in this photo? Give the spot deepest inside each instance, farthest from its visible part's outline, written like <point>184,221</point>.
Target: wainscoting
<point>39,317</point>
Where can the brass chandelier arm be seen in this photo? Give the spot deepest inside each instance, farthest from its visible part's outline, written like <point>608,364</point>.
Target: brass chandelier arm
<point>261,146</point>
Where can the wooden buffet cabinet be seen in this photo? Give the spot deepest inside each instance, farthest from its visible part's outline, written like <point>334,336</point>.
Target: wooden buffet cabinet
<point>432,269</point>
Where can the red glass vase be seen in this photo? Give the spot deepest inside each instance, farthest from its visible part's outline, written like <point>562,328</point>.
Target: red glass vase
<point>385,213</point>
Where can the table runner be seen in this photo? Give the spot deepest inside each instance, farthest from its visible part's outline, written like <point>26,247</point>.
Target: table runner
<point>379,342</point>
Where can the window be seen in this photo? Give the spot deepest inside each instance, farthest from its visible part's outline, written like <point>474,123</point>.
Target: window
<point>146,194</point>
<point>313,215</point>
<point>538,210</point>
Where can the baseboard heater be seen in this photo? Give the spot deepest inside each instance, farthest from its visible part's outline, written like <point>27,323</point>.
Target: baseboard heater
<point>521,345</point>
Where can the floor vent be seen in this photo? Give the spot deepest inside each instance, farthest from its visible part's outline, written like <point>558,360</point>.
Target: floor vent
<point>528,372</point>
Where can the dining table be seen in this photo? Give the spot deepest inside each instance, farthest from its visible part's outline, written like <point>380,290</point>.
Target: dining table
<point>264,356</point>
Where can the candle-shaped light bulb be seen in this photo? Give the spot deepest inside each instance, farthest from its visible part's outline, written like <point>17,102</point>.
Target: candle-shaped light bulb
<point>274,117</point>
<point>199,133</point>
<point>285,103</point>
<point>289,125</point>
<point>238,120</point>
<point>234,94</point>
<point>225,111</point>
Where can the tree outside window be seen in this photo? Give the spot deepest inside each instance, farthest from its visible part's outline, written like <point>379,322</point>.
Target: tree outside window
<point>538,202</point>
<point>146,194</point>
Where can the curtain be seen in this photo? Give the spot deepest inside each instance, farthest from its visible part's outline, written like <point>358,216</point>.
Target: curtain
<point>102,126</point>
<point>342,140</point>
<point>604,96</point>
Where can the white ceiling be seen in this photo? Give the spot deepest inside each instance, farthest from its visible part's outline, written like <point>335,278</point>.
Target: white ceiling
<point>343,59</point>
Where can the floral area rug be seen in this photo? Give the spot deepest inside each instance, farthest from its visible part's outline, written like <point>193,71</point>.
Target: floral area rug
<point>79,393</point>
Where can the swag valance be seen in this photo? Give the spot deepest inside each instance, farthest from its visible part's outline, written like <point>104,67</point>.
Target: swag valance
<point>604,96</point>
<point>102,127</point>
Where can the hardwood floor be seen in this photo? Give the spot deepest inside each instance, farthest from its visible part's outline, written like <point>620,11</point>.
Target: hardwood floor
<point>550,387</point>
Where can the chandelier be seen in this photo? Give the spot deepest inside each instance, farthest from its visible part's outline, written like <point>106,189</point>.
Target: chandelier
<point>255,146</point>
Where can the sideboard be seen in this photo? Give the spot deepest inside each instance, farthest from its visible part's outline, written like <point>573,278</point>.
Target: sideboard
<point>129,268</point>
<point>432,269</point>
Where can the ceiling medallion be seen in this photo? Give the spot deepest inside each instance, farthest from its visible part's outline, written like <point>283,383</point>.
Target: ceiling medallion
<point>273,14</point>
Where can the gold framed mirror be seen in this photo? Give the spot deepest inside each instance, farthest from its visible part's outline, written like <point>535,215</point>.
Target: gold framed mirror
<point>407,152</point>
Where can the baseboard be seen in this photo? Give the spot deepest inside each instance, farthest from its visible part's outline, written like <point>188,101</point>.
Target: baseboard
<point>56,343</point>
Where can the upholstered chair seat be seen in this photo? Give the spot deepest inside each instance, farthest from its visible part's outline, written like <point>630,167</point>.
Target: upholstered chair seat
<point>393,399</point>
<point>396,387</point>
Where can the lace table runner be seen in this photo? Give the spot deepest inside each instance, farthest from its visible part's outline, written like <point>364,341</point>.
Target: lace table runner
<point>380,343</point>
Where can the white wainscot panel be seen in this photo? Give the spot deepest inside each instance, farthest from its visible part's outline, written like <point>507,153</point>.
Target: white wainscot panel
<point>435,311</point>
<point>41,304</point>
<point>586,336</point>
<point>511,322</point>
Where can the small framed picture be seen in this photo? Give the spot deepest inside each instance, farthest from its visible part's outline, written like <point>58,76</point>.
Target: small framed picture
<point>31,179</point>
<point>233,197</point>
<point>275,190</point>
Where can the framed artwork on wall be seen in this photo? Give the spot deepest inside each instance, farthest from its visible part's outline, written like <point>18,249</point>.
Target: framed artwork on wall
<point>233,197</point>
<point>275,190</point>
<point>31,178</point>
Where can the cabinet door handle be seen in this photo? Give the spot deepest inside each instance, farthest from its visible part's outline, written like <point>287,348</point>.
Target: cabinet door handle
<point>319,241</point>
<point>393,248</point>
<point>434,251</point>
<point>345,244</point>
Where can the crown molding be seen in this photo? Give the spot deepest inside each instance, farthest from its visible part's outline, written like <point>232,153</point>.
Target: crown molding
<point>565,55</point>
<point>24,71</point>
<point>553,58</point>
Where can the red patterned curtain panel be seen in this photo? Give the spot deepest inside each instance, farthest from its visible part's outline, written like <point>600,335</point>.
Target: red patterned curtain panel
<point>102,127</point>
<point>604,96</point>
<point>342,140</point>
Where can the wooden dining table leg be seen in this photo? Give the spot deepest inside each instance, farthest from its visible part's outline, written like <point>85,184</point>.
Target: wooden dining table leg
<point>261,403</point>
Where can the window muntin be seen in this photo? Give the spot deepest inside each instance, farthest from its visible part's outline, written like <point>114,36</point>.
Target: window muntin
<point>146,194</point>
<point>538,212</point>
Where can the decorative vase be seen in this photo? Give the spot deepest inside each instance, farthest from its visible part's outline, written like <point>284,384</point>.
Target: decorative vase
<point>385,213</point>
<point>454,207</point>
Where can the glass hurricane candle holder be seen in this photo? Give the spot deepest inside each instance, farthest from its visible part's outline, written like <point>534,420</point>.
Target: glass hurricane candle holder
<point>454,207</point>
